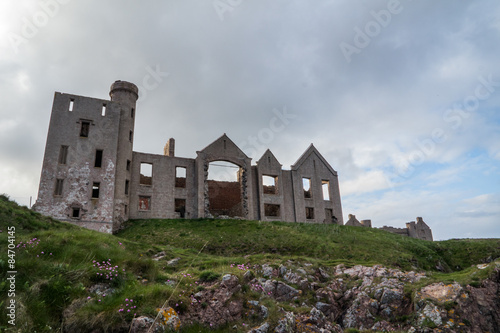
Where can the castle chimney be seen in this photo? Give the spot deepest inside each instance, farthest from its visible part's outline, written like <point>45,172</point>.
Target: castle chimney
<point>169,149</point>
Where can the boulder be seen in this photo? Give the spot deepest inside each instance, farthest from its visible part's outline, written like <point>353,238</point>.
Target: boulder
<point>261,329</point>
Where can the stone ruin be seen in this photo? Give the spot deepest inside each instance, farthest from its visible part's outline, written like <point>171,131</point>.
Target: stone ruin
<point>92,177</point>
<point>413,229</point>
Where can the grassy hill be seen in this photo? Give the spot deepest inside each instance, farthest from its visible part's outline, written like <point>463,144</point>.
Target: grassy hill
<point>57,263</point>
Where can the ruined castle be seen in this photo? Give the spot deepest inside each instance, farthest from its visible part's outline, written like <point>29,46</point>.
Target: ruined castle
<point>413,229</point>
<point>92,177</point>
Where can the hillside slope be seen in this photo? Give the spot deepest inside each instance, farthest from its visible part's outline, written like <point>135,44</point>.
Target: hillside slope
<point>84,281</point>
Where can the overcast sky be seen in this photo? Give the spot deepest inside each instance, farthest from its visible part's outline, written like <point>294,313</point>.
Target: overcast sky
<point>401,97</point>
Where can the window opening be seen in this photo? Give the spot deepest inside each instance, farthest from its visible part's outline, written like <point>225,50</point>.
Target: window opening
<point>180,207</point>
<point>126,209</point>
<point>103,111</point>
<point>71,104</point>
<point>63,154</point>
<point>128,165</point>
<point>132,111</point>
<point>269,184</point>
<point>272,210</point>
<point>306,184</point>
<point>144,203</point>
<point>75,212</point>
<point>180,177</point>
<point>98,158</point>
<point>59,187</point>
<point>84,129</point>
<point>325,186</point>
<point>130,136</point>
<point>310,213</point>
<point>95,190</point>
<point>146,174</point>
<point>127,183</point>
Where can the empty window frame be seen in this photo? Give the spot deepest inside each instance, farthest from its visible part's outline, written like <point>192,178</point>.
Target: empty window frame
<point>180,207</point>
<point>71,104</point>
<point>63,154</point>
<point>325,187</point>
<point>98,158</point>
<point>271,210</point>
<point>103,110</point>
<point>270,184</point>
<point>128,165</point>
<point>306,184</point>
<point>58,190</point>
<point>75,212</point>
<point>127,184</point>
<point>84,129</point>
<point>310,213</point>
<point>96,186</point>
<point>146,174</point>
<point>180,177</point>
<point>144,203</point>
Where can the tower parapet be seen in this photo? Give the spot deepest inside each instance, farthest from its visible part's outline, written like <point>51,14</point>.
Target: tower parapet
<point>124,92</point>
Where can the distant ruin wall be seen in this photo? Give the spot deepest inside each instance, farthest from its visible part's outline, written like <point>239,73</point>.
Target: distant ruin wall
<point>419,229</point>
<point>399,231</point>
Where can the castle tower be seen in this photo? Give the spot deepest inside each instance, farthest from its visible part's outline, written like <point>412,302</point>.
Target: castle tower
<point>125,94</point>
<point>87,159</point>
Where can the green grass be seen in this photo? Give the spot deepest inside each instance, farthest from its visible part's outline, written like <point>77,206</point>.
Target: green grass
<point>320,243</point>
<point>55,285</point>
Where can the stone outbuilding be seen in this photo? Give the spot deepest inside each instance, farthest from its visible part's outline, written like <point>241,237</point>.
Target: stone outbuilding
<point>92,177</point>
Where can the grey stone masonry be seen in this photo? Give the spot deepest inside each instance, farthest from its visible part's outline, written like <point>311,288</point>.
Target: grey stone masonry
<point>92,177</point>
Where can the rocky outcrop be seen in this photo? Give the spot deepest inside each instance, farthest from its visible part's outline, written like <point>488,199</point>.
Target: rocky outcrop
<point>339,298</point>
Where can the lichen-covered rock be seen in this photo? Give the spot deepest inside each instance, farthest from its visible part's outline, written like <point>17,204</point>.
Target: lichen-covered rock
<point>258,310</point>
<point>267,271</point>
<point>441,292</point>
<point>480,307</point>
<point>173,262</point>
<point>430,313</point>
<point>282,270</point>
<point>145,324</point>
<point>360,314</point>
<point>286,324</point>
<point>264,328</point>
<point>169,319</point>
<point>292,277</point>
